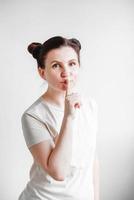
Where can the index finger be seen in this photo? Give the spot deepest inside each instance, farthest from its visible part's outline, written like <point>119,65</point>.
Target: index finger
<point>68,90</point>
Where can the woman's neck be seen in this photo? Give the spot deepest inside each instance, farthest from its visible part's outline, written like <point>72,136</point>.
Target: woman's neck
<point>55,97</point>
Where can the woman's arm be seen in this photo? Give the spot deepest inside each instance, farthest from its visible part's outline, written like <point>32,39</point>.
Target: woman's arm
<point>56,160</point>
<point>60,158</point>
<point>96,178</point>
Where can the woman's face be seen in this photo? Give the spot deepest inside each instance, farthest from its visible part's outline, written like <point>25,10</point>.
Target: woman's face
<point>61,64</point>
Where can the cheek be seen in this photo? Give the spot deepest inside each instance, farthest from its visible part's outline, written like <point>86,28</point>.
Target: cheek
<point>75,75</point>
<point>55,79</point>
<point>52,78</point>
<point>53,75</point>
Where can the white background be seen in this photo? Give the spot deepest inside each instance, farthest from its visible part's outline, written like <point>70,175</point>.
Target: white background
<point>106,32</point>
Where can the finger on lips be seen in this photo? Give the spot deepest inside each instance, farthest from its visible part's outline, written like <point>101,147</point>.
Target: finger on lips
<point>68,91</point>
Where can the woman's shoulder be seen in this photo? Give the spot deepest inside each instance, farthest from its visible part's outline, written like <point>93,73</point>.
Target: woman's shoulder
<point>35,109</point>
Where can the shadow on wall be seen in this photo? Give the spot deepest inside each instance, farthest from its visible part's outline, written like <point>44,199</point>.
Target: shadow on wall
<point>128,192</point>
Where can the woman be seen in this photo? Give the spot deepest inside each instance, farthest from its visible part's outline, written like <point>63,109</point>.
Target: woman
<point>60,128</point>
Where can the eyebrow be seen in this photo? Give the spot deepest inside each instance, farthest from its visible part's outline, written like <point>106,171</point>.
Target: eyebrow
<point>60,62</point>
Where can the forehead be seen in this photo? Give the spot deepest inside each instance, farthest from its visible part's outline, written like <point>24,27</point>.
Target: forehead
<point>62,54</point>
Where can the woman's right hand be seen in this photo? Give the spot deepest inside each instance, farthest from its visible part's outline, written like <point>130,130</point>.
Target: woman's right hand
<point>72,100</point>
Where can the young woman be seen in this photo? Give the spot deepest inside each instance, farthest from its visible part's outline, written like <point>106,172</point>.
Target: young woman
<point>60,128</point>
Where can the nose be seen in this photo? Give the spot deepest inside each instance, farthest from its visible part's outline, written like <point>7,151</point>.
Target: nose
<point>65,72</point>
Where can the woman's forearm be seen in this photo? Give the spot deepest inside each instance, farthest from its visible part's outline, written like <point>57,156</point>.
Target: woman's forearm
<point>60,157</point>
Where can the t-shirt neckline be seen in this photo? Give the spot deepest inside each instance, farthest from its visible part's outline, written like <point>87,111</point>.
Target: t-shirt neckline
<point>50,105</point>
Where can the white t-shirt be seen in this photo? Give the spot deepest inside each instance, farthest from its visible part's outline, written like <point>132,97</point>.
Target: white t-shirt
<point>42,121</point>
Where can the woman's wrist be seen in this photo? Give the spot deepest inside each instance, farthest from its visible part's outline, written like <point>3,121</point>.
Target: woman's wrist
<point>69,117</point>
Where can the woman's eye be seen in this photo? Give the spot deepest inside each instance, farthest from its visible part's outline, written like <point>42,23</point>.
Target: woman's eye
<point>72,63</point>
<point>55,65</point>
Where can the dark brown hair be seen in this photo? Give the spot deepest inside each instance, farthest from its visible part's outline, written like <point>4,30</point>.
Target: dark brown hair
<point>39,51</point>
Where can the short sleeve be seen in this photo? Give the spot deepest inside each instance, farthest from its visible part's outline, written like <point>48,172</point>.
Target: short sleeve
<point>95,114</point>
<point>95,123</point>
<point>34,130</point>
<point>93,110</point>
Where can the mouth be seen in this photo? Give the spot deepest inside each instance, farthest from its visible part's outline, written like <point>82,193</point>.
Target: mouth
<point>65,81</point>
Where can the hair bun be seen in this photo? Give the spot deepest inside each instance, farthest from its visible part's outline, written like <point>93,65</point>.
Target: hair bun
<point>34,48</point>
<point>75,41</point>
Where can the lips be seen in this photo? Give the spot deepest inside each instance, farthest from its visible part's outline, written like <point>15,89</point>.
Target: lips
<point>64,81</point>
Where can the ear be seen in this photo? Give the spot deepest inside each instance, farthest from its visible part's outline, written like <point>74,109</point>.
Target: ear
<point>41,72</point>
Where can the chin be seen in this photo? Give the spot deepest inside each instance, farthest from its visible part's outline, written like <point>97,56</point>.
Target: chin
<point>61,89</point>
